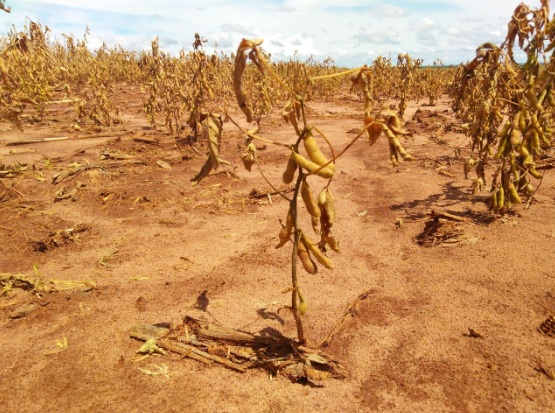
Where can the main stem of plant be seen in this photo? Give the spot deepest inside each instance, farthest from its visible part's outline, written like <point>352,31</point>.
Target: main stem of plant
<point>294,279</point>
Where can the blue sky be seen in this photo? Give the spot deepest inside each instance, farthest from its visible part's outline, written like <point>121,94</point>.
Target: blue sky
<point>352,32</point>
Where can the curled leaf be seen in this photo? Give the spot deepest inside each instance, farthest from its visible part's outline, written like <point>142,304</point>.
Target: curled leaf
<point>212,130</point>
<point>240,66</point>
<point>292,113</point>
<point>373,129</point>
<point>249,157</point>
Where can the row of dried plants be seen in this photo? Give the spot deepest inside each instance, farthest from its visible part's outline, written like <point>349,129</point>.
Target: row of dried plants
<point>507,107</point>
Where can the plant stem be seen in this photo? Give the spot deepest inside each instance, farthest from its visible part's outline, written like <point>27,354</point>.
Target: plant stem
<point>280,193</point>
<point>336,74</point>
<point>294,278</point>
<point>258,138</point>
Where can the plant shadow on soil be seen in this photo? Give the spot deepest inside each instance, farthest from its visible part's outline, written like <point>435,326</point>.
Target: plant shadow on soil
<point>449,197</point>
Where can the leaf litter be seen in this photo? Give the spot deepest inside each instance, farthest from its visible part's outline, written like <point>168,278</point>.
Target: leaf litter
<point>211,343</point>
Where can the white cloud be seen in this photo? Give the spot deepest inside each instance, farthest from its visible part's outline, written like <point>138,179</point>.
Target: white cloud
<point>427,38</point>
<point>386,36</point>
<point>301,4</point>
<point>393,11</point>
<point>286,46</point>
<point>425,23</point>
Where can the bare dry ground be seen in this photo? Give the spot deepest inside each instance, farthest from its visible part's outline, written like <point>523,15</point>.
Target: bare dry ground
<point>447,328</point>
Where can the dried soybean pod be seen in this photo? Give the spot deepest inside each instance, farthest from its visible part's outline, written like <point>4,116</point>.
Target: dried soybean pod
<point>532,170</point>
<point>541,133</point>
<point>289,173</point>
<point>505,130</point>
<point>522,122</point>
<point>494,200</point>
<point>535,141</point>
<point>498,115</point>
<point>543,140</point>
<point>308,263</point>
<point>316,253</point>
<point>514,169</point>
<point>527,158</point>
<point>502,147</point>
<point>309,201</point>
<point>514,194</point>
<point>550,97</point>
<point>314,152</point>
<point>515,121</point>
<point>506,186</point>
<point>534,100</point>
<point>301,307</point>
<point>501,197</point>
<point>541,97</point>
<point>325,203</point>
<point>310,166</point>
<point>327,214</point>
<point>514,137</point>
<point>285,233</point>
<point>535,122</point>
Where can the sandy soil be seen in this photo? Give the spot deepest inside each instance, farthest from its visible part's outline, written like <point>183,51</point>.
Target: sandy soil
<point>159,249</point>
